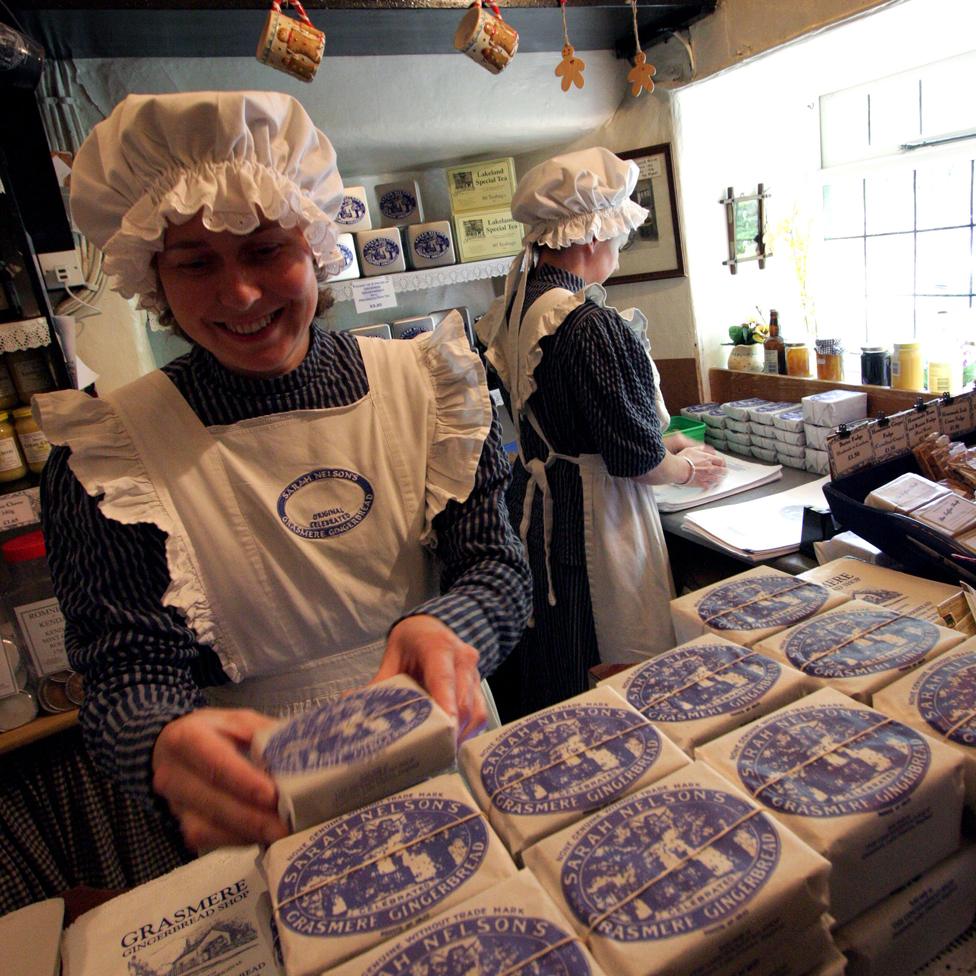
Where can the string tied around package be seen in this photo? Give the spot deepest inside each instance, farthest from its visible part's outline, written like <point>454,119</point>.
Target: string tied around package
<point>792,585</point>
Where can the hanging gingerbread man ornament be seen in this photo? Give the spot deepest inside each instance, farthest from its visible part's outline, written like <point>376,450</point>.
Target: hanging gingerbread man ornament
<point>642,74</point>
<point>571,68</point>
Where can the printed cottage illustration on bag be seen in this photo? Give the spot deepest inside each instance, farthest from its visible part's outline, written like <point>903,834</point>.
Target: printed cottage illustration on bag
<point>210,950</point>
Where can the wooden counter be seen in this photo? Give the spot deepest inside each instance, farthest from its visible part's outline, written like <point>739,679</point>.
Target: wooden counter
<point>38,728</point>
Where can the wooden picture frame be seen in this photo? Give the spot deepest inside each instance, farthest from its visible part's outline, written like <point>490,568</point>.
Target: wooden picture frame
<point>654,250</point>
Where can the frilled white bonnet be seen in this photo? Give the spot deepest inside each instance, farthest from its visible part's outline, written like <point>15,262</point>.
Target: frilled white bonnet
<point>158,159</point>
<point>578,197</point>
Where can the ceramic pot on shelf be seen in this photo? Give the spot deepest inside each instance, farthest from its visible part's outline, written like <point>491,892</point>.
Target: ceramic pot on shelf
<point>747,359</point>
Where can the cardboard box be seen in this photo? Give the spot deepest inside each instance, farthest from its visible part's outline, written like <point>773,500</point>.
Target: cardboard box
<point>353,212</point>
<point>380,252</point>
<point>484,185</point>
<point>487,234</point>
<point>399,203</point>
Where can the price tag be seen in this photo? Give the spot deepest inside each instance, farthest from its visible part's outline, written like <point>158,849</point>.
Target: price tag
<point>17,509</point>
<point>890,439</point>
<point>850,452</point>
<point>42,625</point>
<point>8,686</point>
<point>372,294</point>
<point>957,417</point>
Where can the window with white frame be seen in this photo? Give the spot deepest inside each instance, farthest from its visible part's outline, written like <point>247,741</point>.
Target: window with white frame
<point>898,159</point>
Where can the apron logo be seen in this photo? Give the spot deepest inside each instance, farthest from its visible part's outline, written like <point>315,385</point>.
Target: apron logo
<point>326,502</point>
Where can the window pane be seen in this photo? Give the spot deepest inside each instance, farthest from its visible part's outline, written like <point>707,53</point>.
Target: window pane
<point>944,194</point>
<point>944,319</point>
<point>889,202</point>
<point>843,204</point>
<point>890,318</point>
<point>841,302</point>
<point>895,111</point>
<point>944,262</point>
<point>890,264</point>
<point>843,127</point>
<point>944,107</point>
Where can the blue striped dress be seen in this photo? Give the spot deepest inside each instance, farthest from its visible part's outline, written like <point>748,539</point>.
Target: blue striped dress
<point>143,666</point>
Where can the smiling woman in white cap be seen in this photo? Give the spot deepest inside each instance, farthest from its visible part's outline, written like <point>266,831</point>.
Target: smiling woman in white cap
<point>251,526</point>
<point>588,413</point>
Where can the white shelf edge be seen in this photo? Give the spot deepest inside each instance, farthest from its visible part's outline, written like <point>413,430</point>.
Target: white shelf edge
<point>451,274</point>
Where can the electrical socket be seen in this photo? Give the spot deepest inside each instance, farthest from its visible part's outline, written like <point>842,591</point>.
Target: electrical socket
<point>61,268</point>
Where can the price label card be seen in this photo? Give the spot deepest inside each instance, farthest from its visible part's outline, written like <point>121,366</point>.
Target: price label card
<point>850,452</point>
<point>890,439</point>
<point>372,294</point>
<point>42,625</point>
<point>8,686</point>
<point>957,417</point>
<point>921,423</point>
<point>18,509</point>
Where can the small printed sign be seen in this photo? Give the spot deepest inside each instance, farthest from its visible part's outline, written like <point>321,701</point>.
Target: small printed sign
<point>890,439</point>
<point>42,625</point>
<point>8,686</point>
<point>19,508</point>
<point>372,294</point>
<point>956,415</point>
<point>850,452</point>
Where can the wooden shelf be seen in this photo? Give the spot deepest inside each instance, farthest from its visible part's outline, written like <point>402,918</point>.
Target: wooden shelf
<point>451,274</point>
<point>39,728</point>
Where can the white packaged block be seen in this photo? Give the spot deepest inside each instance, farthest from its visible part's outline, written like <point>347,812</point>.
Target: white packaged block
<point>816,461</point>
<point>859,647</point>
<point>795,438</point>
<point>907,929</point>
<point>940,700</point>
<point>797,451</point>
<point>31,938</point>
<point>344,753</point>
<point>431,245</point>
<point>792,461</point>
<point>816,437</point>
<point>346,245</point>
<point>512,928</point>
<point>764,454</point>
<point>734,437</point>
<point>880,800</point>
<point>353,212</point>
<point>761,440</point>
<point>739,409</point>
<point>696,410</point>
<point>750,606</point>
<point>399,203</point>
<point>707,687</point>
<point>716,417</point>
<point>349,884</point>
<point>764,413</point>
<point>951,514</point>
<point>686,876</point>
<point>380,252</point>
<point>789,420</point>
<point>211,917</point>
<point>833,407</point>
<point>905,493</point>
<point>834,965</point>
<point>550,769</point>
<point>888,588</point>
<point>739,426</point>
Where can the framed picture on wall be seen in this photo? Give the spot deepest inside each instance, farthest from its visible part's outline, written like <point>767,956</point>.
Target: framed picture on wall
<point>654,249</point>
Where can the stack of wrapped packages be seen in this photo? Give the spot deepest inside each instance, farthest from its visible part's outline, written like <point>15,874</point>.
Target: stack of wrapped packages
<point>712,416</point>
<point>733,806</point>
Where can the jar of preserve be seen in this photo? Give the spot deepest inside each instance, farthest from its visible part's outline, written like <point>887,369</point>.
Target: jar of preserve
<point>8,393</point>
<point>830,359</point>
<point>875,366</point>
<point>12,466</point>
<point>907,369</point>
<point>32,441</point>
<point>797,359</point>
<point>30,372</point>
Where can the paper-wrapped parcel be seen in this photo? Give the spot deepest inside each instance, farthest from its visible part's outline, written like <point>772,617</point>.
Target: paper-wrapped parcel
<point>349,884</point>
<point>211,917</point>
<point>750,606</point>
<point>513,929</point>
<point>356,749</point>
<point>707,687</point>
<point>881,801</point>
<point>910,927</point>
<point>859,647</point>
<point>549,769</point>
<point>940,700</point>
<point>686,876</point>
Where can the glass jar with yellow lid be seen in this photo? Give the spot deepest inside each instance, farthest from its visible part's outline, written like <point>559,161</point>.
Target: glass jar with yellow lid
<point>33,443</point>
<point>12,464</point>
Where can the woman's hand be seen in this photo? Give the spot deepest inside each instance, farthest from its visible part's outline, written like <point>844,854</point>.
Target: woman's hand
<point>708,466</point>
<point>677,442</point>
<point>219,796</point>
<point>438,660</point>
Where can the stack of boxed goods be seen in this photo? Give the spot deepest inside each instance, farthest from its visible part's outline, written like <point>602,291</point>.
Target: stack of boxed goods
<point>790,437</point>
<point>763,443</point>
<point>737,430</point>
<point>823,413</point>
<point>481,196</point>
<point>714,419</point>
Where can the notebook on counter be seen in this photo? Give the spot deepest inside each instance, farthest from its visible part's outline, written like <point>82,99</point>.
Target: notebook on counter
<point>740,475</point>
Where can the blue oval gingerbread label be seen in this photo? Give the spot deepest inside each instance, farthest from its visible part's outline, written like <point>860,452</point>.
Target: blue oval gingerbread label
<point>326,502</point>
<point>346,730</point>
<point>824,647</point>
<point>864,765</point>
<point>701,681</point>
<point>397,204</point>
<point>347,256</point>
<point>667,863</point>
<point>431,244</point>
<point>381,251</point>
<point>761,601</point>
<point>351,211</point>
<point>488,944</point>
<point>946,698</point>
<point>574,757</point>
<point>381,866</point>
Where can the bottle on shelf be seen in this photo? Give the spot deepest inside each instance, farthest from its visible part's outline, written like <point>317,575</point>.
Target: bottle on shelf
<point>774,348</point>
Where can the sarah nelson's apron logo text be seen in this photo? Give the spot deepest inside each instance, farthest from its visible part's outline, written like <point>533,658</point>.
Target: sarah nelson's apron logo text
<point>326,502</point>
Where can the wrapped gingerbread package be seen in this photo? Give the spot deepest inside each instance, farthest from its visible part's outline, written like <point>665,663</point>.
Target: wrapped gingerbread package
<point>688,876</point>
<point>908,928</point>
<point>511,929</point>
<point>353,882</point>
<point>940,700</point>
<point>356,749</point>
<point>211,917</point>
<point>707,687</point>
<point>549,769</point>
<point>859,647</point>
<point>746,608</point>
<point>881,801</point>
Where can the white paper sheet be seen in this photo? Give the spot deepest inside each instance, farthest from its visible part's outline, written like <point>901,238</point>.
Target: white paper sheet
<point>740,475</point>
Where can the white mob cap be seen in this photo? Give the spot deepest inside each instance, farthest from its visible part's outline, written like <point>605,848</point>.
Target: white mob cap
<point>577,198</point>
<point>238,156</point>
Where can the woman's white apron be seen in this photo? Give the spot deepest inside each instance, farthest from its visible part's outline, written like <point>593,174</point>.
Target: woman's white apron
<point>293,540</point>
<point>626,555</point>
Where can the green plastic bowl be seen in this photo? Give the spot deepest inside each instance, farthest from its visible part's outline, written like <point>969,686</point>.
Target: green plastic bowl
<point>694,429</point>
